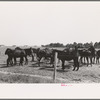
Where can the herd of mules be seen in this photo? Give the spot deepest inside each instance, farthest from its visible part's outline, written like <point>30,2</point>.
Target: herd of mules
<point>79,56</point>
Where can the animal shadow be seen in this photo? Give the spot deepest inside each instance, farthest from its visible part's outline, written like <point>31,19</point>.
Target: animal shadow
<point>47,67</point>
<point>36,64</point>
<point>62,71</point>
<point>4,66</point>
<point>51,68</point>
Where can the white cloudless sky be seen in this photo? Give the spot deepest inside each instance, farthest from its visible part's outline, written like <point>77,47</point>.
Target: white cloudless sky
<point>40,23</point>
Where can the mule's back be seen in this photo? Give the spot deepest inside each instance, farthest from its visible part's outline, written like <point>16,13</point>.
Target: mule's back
<point>29,51</point>
<point>18,52</point>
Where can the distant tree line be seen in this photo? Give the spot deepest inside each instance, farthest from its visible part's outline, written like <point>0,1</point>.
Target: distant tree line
<point>80,45</point>
<point>53,45</point>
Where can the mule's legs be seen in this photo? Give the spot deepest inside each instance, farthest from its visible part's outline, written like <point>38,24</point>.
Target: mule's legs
<point>39,62</point>
<point>97,60</point>
<point>63,62</point>
<point>94,60</point>
<point>87,61</point>
<point>81,59</point>
<point>11,61</point>
<point>74,67</point>
<point>33,57</point>
<point>77,64</point>
<point>91,60</point>
<point>26,60</point>
<point>51,60</point>
<point>39,59</point>
<point>14,60</point>
<point>84,60</point>
<point>21,61</point>
<point>8,60</point>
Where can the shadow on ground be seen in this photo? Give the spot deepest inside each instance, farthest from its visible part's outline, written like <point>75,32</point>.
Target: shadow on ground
<point>59,69</point>
<point>4,66</point>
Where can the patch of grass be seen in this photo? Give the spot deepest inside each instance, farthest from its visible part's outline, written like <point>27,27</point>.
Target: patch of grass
<point>7,78</point>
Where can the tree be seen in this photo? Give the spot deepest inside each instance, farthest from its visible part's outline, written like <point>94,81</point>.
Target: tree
<point>54,45</point>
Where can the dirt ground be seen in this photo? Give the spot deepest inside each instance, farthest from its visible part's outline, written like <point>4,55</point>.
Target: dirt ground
<point>32,73</point>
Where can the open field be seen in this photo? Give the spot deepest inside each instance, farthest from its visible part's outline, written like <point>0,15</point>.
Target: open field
<point>32,73</point>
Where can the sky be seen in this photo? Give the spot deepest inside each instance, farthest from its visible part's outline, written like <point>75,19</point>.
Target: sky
<point>40,23</point>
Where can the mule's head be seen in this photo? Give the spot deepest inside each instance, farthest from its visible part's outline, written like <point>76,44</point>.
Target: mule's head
<point>8,51</point>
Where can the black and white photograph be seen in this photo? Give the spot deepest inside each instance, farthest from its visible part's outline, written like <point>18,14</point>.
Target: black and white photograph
<point>40,41</point>
<point>49,42</point>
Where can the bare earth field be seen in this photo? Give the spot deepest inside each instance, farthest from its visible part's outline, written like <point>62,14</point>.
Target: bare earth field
<point>32,73</point>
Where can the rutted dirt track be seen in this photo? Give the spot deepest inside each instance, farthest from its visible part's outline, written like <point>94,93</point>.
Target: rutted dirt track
<point>32,73</point>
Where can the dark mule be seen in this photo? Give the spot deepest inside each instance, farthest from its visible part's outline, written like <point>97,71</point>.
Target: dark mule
<point>35,52</point>
<point>88,54</point>
<point>20,53</point>
<point>84,55</point>
<point>68,55</point>
<point>29,52</point>
<point>97,56</point>
<point>44,53</point>
<point>92,54</point>
<point>16,53</point>
<point>9,52</point>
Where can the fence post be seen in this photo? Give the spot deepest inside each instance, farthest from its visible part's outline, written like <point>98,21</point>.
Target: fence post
<point>55,65</point>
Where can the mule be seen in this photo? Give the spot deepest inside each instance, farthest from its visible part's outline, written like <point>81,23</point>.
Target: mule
<point>29,52</point>
<point>16,53</point>
<point>84,56</point>
<point>44,53</point>
<point>89,54</point>
<point>9,52</point>
<point>97,56</point>
<point>67,56</point>
<point>20,53</point>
